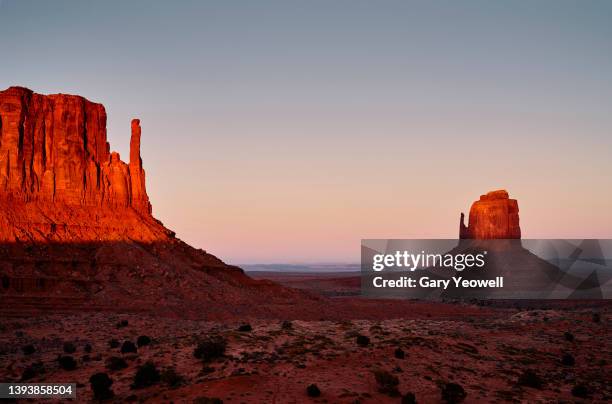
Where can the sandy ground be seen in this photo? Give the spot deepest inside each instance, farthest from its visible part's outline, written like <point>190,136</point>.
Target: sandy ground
<point>326,284</point>
<point>485,355</point>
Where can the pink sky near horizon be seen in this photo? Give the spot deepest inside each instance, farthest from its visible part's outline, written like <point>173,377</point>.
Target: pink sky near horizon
<point>252,211</point>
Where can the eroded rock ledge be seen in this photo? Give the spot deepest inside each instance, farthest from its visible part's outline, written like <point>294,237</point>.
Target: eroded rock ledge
<point>54,148</point>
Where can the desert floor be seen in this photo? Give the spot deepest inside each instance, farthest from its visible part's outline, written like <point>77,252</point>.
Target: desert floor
<point>505,354</point>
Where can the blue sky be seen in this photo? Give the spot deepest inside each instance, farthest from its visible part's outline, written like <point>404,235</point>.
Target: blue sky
<point>278,131</point>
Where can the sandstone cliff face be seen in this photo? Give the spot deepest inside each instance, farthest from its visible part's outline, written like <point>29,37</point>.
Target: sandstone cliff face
<point>53,148</point>
<point>76,230</point>
<point>494,216</point>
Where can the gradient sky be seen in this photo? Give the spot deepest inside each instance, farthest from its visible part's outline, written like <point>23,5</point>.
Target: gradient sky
<point>286,131</point>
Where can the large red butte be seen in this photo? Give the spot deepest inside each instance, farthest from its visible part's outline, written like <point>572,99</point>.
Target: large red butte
<point>54,148</point>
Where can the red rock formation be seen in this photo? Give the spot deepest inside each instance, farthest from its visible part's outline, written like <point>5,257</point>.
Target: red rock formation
<point>139,199</point>
<point>494,216</point>
<point>76,230</point>
<point>54,148</point>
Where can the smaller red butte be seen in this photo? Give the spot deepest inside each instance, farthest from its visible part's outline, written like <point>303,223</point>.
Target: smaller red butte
<point>494,216</point>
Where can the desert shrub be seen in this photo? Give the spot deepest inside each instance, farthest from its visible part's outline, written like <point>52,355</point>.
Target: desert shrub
<point>530,379</point>
<point>580,390</point>
<point>409,398</point>
<point>568,336</point>
<point>67,362</point>
<point>116,363</point>
<point>122,324</point>
<point>28,349</point>
<point>245,328</point>
<point>362,340</point>
<point>113,343</point>
<point>286,325</point>
<point>128,347</point>
<point>143,340</point>
<point>87,348</point>
<point>313,390</point>
<point>568,360</point>
<point>32,371</point>
<point>453,393</point>
<point>171,378</point>
<point>100,385</point>
<point>146,375</point>
<point>387,383</point>
<point>210,348</point>
<point>399,353</point>
<point>207,400</point>
<point>69,347</point>
<point>596,317</point>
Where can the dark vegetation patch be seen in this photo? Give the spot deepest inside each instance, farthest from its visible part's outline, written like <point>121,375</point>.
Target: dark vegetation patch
<point>146,375</point>
<point>362,340</point>
<point>171,378</point>
<point>33,370</point>
<point>313,390</point>
<point>69,348</point>
<point>530,379</point>
<point>28,349</point>
<point>453,393</point>
<point>387,383</point>
<point>210,348</point>
<point>207,400</point>
<point>568,360</point>
<point>67,362</point>
<point>143,340</point>
<point>409,398</point>
<point>128,347</point>
<point>115,363</point>
<point>101,386</point>
<point>580,390</point>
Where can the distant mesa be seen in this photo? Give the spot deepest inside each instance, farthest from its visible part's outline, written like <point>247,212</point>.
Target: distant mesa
<point>493,216</point>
